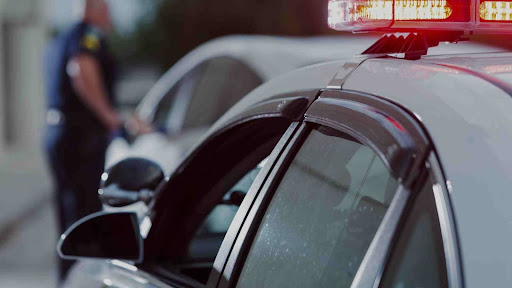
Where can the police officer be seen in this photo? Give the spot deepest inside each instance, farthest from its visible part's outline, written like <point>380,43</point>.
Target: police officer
<point>80,74</point>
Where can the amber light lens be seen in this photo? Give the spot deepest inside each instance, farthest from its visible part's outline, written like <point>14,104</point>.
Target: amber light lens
<point>350,11</point>
<point>360,15</point>
<point>496,11</point>
<point>375,10</point>
<point>422,10</point>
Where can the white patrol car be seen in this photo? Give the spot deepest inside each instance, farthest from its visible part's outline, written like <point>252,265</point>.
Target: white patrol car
<point>388,170</point>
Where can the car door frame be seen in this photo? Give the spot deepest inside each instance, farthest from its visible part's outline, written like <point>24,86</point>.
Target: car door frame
<point>405,151</point>
<point>289,107</point>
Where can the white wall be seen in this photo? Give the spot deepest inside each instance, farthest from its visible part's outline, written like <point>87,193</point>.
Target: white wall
<point>2,89</point>
<point>27,98</point>
<point>23,33</point>
<point>16,10</point>
<point>24,178</point>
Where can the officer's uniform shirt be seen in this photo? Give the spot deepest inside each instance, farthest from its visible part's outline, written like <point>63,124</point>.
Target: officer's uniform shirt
<point>65,106</point>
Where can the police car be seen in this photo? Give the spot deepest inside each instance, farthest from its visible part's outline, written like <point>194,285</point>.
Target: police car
<point>391,169</point>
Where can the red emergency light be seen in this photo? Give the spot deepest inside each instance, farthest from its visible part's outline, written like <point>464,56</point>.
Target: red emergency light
<point>467,16</point>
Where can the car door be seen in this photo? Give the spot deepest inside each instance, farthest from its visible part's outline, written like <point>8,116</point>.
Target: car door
<point>332,209</point>
<point>198,202</point>
<point>196,206</point>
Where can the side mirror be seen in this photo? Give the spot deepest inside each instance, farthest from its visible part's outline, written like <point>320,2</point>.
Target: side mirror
<point>130,181</point>
<point>105,236</point>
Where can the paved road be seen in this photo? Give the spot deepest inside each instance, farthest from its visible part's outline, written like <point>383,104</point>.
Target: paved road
<point>27,223</point>
<point>27,255</point>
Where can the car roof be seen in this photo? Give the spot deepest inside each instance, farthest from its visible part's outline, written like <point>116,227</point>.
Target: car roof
<point>463,102</point>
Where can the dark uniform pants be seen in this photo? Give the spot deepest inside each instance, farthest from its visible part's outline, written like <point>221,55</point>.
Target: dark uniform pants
<point>77,158</point>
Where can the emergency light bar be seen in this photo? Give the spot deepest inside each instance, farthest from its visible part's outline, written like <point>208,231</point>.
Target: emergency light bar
<point>473,16</point>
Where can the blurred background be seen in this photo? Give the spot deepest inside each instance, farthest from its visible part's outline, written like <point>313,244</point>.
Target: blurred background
<point>151,35</point>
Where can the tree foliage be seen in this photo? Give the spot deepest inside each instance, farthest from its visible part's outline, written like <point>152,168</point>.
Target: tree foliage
<point>175,27</point>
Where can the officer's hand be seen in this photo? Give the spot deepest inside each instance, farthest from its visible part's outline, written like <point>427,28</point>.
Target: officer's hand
<point>113,122</point>
<point>137,126</point>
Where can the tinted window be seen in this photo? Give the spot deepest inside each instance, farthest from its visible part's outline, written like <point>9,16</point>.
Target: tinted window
<point>418,259</point>
<point>323,216</point>
<point>223,82</point>
<point>163,108</point>
<point>183,88</point>
<point>209,236</point>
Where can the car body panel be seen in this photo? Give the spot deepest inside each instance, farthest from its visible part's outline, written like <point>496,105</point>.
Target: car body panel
<point>319,76</point>
<point>469,120</point>
<point>99,274</point>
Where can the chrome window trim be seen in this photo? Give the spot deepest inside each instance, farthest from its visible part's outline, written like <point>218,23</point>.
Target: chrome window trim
<point>226,249</point>
<point>266,191</point>
<point>446,223</point>
<point>376,255</point>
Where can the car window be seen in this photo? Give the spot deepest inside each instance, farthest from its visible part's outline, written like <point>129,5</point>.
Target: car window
<point>418,259</point>
<point>172,97</point>
<point>222,83</point>
<point>323,215</point>
<point>186,236</point>
<point>163,108</point>
<point>210,234</point>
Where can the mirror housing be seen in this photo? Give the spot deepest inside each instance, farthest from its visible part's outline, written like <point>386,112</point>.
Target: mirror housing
<point>103,235</point>
<point>129,181</point>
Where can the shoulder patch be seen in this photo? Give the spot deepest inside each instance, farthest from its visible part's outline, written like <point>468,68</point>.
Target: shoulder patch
<point>91,42</point>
